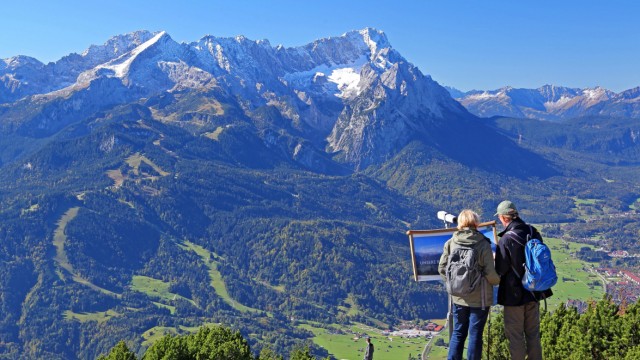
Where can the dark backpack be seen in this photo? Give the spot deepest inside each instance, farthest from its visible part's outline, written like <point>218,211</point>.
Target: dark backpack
<point>539,270</point>
<point>463,272</point>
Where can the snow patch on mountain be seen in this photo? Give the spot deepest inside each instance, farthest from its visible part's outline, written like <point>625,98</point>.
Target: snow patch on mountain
<point>117,45</point>
<point>347,80</point>
<point>596,95</point>
<point>560,103</point>
<point>340,80</point>
<point>121,65</point>
<point>486,95</point>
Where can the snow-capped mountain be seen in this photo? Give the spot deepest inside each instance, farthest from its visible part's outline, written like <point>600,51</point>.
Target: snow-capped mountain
<point>551,102</point>
<point>22,76</point>
<point>353,96</point>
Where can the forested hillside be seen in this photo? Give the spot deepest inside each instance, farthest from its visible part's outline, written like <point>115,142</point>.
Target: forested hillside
<point>147,226</point>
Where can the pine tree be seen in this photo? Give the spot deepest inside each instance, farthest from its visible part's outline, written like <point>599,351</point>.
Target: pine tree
<point>598,329</point>
<point>168,347</point>
<point>301,353</point>
<point>119,352</point>
<point>629,340</point>
<point>558,332</point>
<point>495,342</point>
<point>208,343</point>
<point>268,354</point>
<point>218,343</point>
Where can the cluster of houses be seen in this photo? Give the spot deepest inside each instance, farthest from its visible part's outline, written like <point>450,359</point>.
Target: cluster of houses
<point>410,330</point>
<point>623,285</point>
<point>619,254</point>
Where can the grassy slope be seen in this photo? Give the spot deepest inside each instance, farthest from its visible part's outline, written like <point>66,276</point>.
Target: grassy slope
<point>574,275</point>
<point>99,316</point>
<point>157,332</point>
<point>59,240</point>
<point>346,346</point>
<point>216,278</point>
<point>155,288</point>
<point>137,159</point>
<point>215,134</point>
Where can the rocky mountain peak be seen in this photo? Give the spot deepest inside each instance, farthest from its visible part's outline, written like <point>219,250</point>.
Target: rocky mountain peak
<point>19,61</point>
<point>118,45</point>
<point>376,40</point>
<point>631,94</point>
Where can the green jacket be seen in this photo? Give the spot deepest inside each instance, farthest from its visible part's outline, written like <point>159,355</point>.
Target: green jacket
<point>473,238</point>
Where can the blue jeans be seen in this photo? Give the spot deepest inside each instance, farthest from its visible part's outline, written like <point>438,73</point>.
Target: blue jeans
<point>467,320</point>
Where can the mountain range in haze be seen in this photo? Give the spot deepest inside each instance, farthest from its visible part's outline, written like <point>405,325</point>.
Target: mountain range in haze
<point>553,103</point>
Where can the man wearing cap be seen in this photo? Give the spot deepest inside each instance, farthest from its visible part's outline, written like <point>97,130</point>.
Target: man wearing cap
<point>521,307</point>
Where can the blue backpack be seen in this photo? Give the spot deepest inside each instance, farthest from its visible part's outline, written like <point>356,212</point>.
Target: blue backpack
<point>540,272</point>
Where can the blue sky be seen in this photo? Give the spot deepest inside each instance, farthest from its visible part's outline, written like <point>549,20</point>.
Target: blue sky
<point>465,44</point>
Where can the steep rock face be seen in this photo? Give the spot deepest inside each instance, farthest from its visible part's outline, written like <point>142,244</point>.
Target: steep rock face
<point>396,104</point>
<point>551,103</point>
<point>17,77</point>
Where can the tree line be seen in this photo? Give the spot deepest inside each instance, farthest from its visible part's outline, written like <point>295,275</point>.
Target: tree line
<point>208,343</point>
<point>604,331</point>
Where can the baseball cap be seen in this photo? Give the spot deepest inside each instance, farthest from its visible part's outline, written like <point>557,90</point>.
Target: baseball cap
<point>506,208</point>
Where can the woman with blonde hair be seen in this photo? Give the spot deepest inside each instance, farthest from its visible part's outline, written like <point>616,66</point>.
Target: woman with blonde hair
<point>470,307</point>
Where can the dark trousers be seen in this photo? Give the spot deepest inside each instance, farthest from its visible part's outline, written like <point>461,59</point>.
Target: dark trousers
<point>467,320</point>
<point>522,329</point>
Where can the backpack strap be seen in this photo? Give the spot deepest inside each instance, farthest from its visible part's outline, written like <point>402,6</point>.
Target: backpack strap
<point>483,282</point>
<point>515,238</point>
<point>529,236</point>
<point>483,291</point>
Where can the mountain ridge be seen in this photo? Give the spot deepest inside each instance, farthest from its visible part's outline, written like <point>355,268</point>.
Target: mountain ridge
<point>330,90</point>
<point>550,102</point>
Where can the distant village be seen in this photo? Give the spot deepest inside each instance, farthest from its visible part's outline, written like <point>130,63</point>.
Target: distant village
<point>410,330</point>
<point>622,285</point>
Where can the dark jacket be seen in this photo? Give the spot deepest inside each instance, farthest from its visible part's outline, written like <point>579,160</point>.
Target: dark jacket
<point>510,265</point>
<point>368,354</point>
<point>472,238</point>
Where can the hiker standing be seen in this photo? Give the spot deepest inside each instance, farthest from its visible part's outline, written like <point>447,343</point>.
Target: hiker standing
<point>368,352</point>
<point>468,252</point>
<point>521,307</point>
